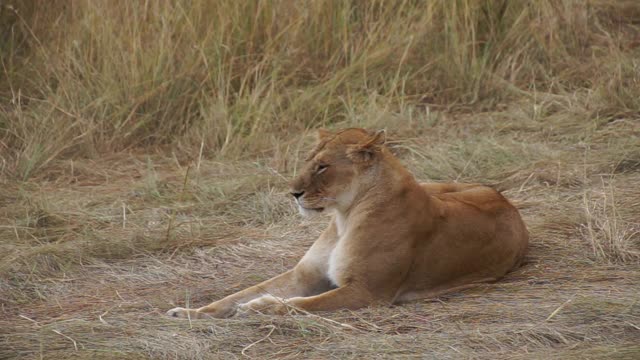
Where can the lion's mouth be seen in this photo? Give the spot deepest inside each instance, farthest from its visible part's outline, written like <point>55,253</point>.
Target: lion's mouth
<point>318,209</point>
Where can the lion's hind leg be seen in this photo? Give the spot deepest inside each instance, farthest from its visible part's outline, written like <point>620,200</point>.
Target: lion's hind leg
<point>439,291</point>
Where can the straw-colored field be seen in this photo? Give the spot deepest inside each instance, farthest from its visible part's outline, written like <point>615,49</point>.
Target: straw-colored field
<point>145,149</point>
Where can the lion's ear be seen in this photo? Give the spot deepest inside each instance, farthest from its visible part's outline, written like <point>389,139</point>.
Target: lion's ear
<point>379,138</point>
<point>322,134</point>
<point>366,151</point>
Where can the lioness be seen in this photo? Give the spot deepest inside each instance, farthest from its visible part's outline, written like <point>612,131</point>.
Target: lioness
<point>391,239</point>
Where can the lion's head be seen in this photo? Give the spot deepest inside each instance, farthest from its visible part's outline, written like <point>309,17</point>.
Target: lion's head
<point>337,170</point>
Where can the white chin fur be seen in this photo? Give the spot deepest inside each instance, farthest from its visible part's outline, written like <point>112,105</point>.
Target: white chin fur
<point>308,212</point>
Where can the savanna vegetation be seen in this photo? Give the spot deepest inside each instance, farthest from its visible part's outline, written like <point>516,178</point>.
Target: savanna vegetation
<point>145,148</point>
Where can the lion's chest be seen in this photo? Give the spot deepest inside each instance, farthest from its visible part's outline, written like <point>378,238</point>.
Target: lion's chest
<point>338,257</point>
<point>331,262</point>
<point>337,263</point>
<point>330,257</point>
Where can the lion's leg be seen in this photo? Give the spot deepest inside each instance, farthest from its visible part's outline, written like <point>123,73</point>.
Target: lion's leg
<point>443,290</point>
<point>346,297</point>
<point>294,282</point>
<point>307,278</point>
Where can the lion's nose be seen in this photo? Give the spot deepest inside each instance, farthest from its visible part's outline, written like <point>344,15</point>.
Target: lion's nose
<point>297,194</point>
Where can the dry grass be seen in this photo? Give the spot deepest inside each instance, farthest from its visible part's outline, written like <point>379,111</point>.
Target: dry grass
<point>610,237</point>
<point>144,152</point>
<point>235,78</point>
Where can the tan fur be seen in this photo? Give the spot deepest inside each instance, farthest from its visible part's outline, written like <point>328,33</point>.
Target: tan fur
<point>391,239</point>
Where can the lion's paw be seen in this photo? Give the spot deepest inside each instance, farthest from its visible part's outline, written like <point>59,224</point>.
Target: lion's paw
<point>183,313</point>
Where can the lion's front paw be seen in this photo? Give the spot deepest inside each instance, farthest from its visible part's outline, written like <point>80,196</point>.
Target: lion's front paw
<point>183,313</point>
<point>266,304</point>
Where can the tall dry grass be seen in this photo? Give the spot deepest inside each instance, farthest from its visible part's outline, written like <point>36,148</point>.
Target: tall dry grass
<point>82,78</point>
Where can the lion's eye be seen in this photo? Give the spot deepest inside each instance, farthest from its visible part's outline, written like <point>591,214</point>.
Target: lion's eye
<point>321,168</point>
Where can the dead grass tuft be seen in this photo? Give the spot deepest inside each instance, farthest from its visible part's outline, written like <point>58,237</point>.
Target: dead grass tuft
<point>611,238</point>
